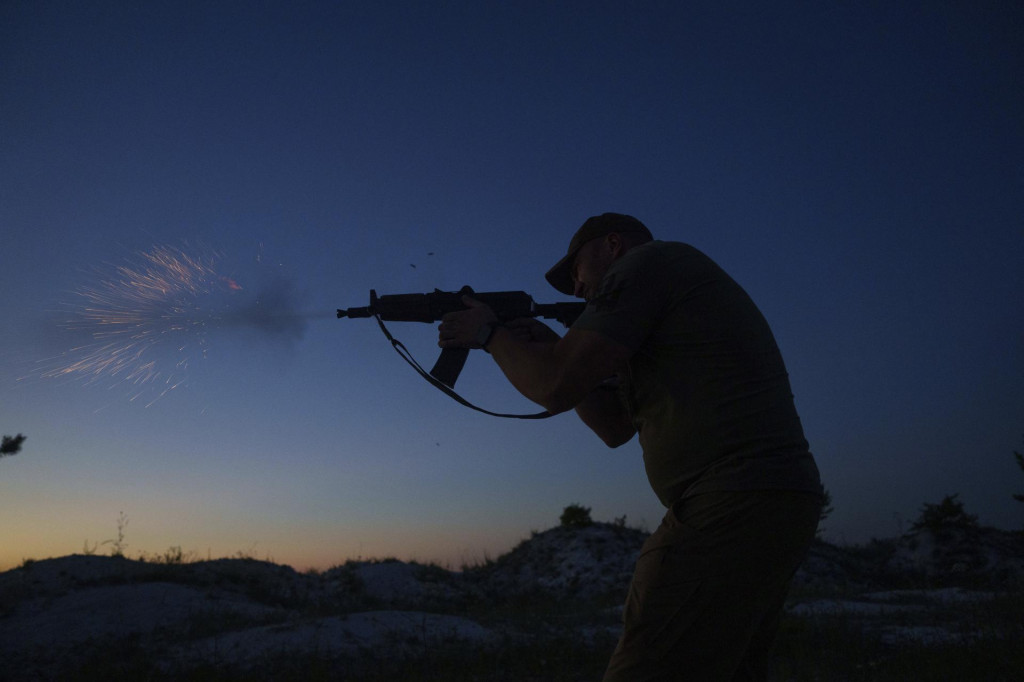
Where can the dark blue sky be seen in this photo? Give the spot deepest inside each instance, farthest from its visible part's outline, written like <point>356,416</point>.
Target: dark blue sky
<point>857,168</point>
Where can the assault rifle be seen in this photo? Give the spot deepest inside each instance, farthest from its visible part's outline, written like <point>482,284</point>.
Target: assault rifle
<point>507,305</point>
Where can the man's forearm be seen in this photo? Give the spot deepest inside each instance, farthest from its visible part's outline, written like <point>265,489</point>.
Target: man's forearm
<point>535,370</point>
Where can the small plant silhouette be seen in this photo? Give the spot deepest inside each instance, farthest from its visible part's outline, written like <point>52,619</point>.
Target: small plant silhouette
<point>118,546</point>
<point>1020,462</point>
<point>826,509</point>
<point>576,516</point>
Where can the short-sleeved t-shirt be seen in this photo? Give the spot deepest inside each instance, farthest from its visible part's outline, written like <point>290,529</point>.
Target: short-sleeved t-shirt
<point>706,386</point>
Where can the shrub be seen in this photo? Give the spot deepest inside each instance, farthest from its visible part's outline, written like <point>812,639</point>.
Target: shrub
<point>576,516</point>
<point>945,516</point>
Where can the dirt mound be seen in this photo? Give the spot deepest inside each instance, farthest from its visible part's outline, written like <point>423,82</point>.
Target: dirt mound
<point>566,562</point>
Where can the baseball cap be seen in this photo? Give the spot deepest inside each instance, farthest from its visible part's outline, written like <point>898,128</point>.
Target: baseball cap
<point>560,276</point>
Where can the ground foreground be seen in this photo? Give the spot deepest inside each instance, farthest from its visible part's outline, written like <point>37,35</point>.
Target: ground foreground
<point>927,606</point>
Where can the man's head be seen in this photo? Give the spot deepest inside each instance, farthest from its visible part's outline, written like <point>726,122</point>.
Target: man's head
<point>599,242</point>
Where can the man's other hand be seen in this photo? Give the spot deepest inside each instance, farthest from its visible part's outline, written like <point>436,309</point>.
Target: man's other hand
<point>465,328</point>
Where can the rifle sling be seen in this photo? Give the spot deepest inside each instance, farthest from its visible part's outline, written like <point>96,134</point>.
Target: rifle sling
<point>407,356</point>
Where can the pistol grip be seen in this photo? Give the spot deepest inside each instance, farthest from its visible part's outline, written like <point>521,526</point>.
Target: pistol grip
<point>449,365</point>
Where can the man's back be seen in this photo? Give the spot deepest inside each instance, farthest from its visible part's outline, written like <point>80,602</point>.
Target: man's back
<point>707,387</point>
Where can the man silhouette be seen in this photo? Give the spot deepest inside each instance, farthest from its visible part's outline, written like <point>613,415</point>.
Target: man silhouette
<point>671,349</point>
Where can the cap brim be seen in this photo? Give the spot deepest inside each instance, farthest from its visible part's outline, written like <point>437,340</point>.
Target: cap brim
<point>560,276</point>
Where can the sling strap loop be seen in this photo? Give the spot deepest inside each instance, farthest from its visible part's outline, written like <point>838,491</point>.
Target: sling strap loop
<point>407,356</point>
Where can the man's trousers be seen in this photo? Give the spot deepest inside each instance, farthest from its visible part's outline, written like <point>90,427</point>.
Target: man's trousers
<point>709,587</point>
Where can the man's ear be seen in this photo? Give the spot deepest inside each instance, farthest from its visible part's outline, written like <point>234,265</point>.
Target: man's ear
<point>615,244</point>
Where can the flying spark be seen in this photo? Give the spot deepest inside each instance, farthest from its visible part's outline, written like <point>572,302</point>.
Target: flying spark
<point>160,305</point>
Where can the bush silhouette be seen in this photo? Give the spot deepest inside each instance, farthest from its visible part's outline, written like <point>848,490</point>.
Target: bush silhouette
<point>948,515</point>
<point>576,516</point>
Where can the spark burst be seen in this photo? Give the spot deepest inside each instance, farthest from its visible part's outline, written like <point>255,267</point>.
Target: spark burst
<point>161,305</point>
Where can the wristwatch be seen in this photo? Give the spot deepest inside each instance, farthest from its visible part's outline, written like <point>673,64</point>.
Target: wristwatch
<point>486,331</point>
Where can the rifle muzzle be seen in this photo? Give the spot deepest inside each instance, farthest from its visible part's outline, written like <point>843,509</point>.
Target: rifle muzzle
<point>365,311</point>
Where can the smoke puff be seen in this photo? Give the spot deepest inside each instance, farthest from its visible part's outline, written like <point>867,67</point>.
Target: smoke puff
<point>272,310</point>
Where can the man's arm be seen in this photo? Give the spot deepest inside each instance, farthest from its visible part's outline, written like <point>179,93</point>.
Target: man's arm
<point>560,375</point>
<point>602,410</point>
<point>556,373</point>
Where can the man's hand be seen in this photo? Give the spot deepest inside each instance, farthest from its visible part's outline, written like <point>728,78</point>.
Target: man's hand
<point>465,328</point>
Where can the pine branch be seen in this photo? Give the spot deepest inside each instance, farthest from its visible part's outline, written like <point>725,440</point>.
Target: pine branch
<point>11,445</point>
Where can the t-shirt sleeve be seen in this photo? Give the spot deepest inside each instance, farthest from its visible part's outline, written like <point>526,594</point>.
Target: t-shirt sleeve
<point>630,300</point>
